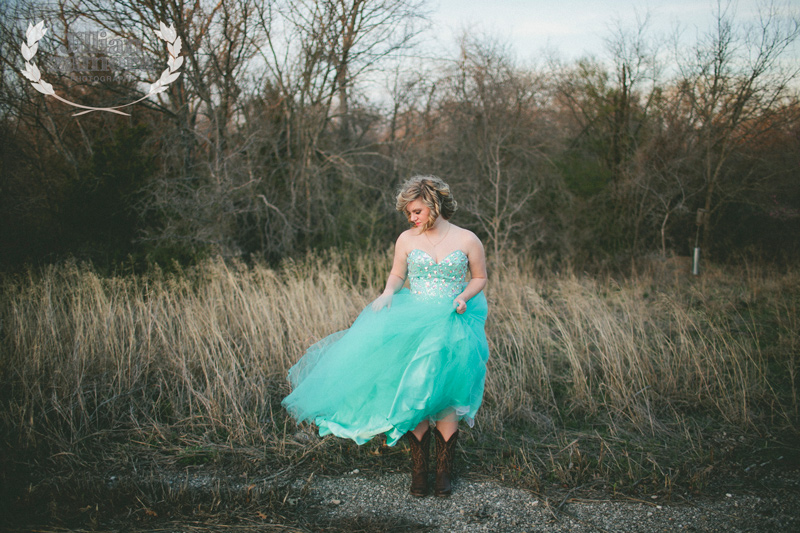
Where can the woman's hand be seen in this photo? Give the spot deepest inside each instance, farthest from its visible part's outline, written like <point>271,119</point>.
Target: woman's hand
<point>384,300</point>
<point>460,305</point>
<point>397,276</point>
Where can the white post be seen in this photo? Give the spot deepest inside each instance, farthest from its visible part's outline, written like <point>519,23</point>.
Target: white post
<point>696,261</point>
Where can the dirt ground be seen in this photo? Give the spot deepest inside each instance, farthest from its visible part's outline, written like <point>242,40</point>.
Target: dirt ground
<point>207,498</point>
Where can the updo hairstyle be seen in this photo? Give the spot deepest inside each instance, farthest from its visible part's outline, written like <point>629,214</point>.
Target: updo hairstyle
<point>433,192</point>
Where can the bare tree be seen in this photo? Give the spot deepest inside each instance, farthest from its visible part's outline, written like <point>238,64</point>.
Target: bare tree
<point>498,139</point>
<point>315,58</point>
<point>735,84</point>
<point>609,111</point>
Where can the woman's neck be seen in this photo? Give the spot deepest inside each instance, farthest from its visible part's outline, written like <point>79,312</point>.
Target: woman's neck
<point>437,233</point>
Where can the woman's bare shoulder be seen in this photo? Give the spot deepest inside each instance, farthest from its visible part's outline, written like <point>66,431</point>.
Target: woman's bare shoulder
<point>466,237</point>
<point>407,235</point>
<point>405,239</point>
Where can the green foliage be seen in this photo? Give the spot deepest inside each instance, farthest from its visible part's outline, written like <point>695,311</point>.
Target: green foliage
<point>584,175</point>
<point>100,208</point>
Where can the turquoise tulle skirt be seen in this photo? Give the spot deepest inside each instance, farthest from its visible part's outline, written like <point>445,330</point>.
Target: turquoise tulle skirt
<point>418,360</point>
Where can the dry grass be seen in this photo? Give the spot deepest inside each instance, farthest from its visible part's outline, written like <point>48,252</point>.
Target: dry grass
<point>203,353</point>
<point>638,384</point>
<point>201,349</point>
<point>641,352</point>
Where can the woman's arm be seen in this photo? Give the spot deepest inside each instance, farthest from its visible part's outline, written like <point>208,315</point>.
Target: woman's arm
<point>397,276</point>
<point>477,270</point>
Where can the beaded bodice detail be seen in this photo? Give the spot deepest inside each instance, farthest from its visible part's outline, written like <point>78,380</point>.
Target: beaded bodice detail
<point>437,281</point>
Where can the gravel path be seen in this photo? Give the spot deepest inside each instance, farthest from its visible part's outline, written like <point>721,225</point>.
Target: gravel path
<point>373,501</point>
<point>488,506</point>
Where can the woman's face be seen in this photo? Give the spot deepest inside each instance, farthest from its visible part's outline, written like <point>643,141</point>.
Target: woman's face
<point>418,213</point>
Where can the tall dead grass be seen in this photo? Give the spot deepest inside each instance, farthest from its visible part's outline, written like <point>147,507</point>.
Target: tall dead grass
<point>641,352</point>
<point>206,350</point>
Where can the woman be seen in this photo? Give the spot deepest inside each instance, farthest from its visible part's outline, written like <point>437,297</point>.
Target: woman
<point>415,358</point>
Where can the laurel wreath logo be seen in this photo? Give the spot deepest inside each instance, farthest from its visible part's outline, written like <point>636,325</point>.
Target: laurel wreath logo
<point>167,33</point>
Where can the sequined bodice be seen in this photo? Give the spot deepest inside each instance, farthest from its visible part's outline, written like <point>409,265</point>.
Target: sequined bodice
<point>437,281</point>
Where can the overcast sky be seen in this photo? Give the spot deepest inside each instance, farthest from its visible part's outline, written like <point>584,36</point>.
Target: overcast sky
<point>575,28</point>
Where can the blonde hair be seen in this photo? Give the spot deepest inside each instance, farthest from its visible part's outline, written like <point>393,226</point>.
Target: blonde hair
<point>433,192</point>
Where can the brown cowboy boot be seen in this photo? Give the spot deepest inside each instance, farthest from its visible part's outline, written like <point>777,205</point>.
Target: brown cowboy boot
<point>445,450</point>
<point>419,462</point>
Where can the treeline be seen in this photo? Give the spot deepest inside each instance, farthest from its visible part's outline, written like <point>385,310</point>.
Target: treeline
<point>293,122</point>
